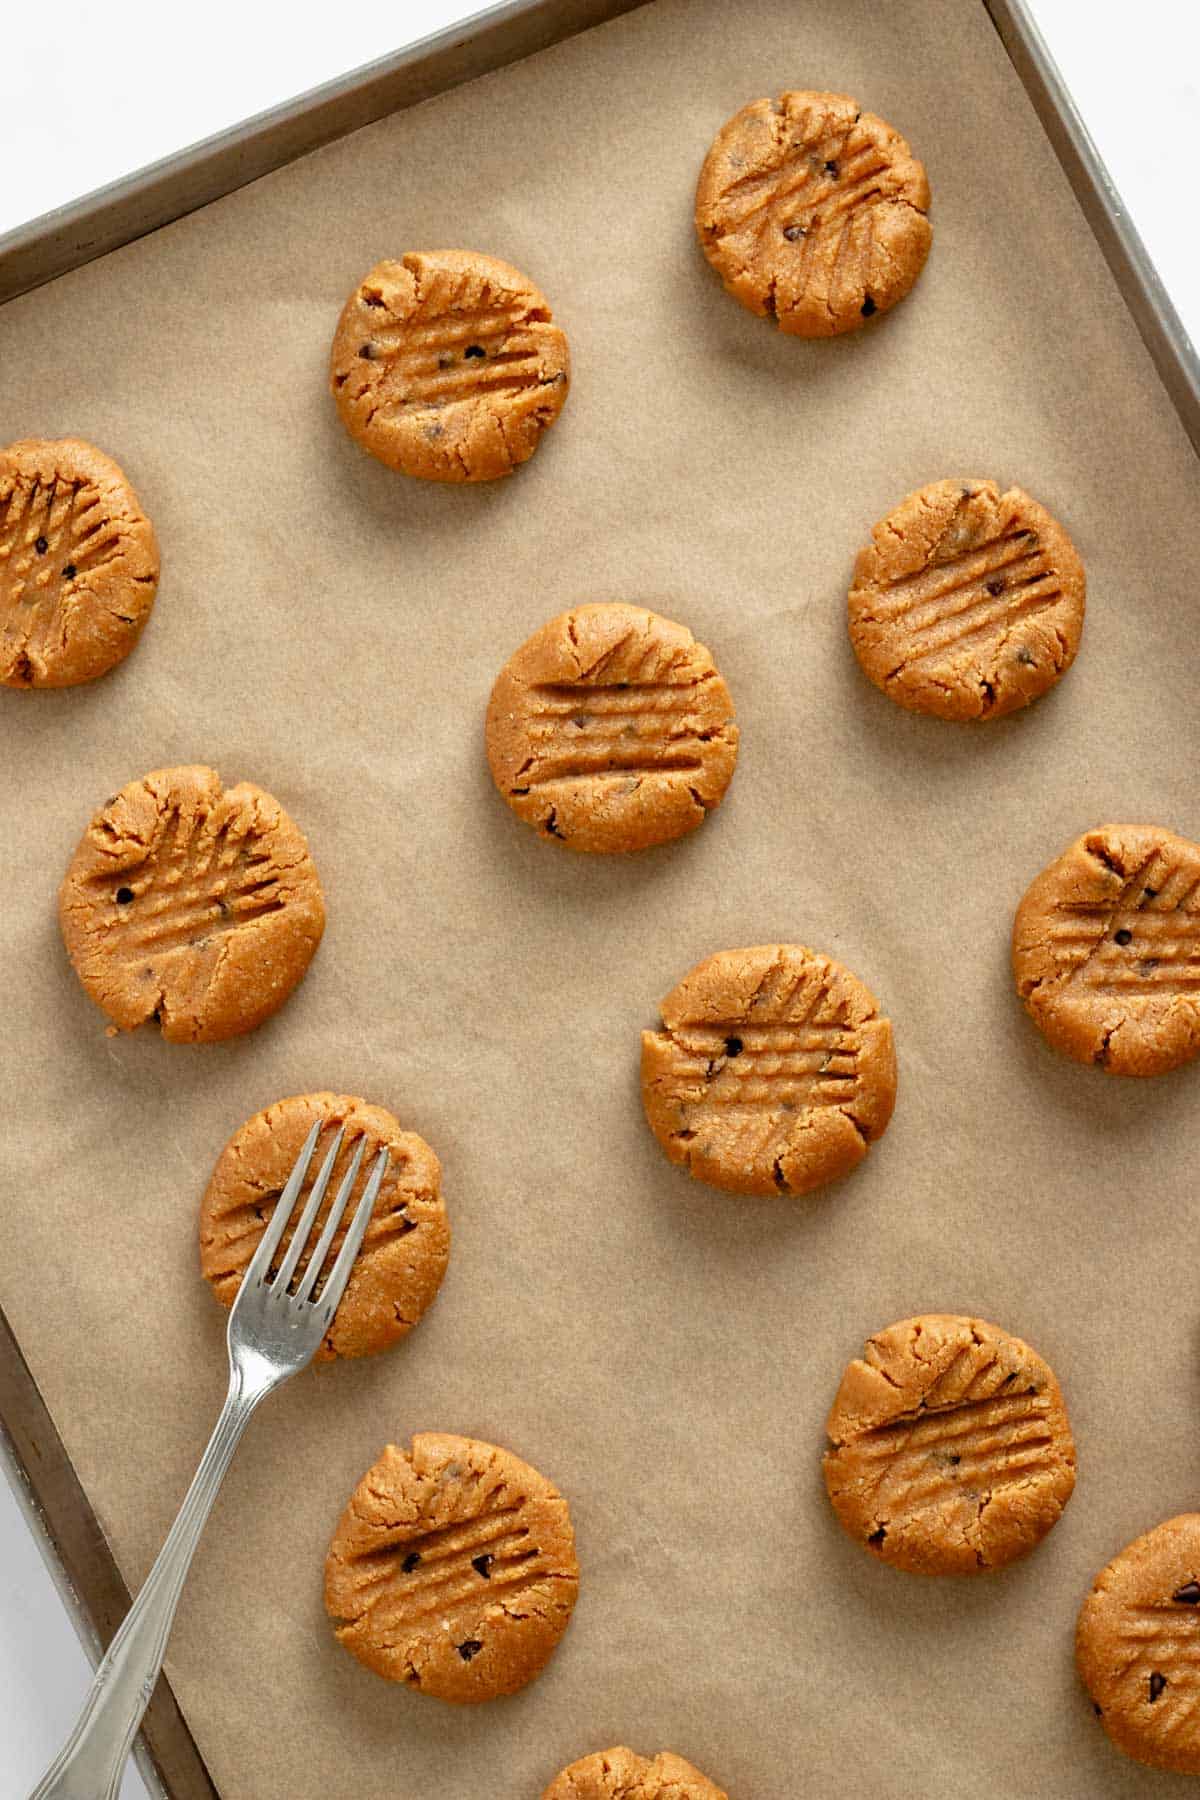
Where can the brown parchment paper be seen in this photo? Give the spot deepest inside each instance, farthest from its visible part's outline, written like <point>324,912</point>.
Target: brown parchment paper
<point>331,630</point>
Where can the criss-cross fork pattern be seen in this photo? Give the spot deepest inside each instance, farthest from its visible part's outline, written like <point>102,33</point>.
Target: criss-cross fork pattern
<point>1145,943</point>
<point>1161,1648</point>
<point>458,355</point>
<point>204,876</point>
<point>969,601</point>
<point>580,730</point>
<point>52,535</point>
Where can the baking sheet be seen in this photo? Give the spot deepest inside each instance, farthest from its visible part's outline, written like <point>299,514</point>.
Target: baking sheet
<point>667,1354</point>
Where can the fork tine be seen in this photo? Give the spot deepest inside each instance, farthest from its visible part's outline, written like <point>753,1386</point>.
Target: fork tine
<point>339,1275</point>
<point>260,1263</point>
<point>312,1206</point>
<point>309,1281</point>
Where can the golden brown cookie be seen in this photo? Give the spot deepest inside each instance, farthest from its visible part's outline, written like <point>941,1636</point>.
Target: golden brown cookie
<point>190,904</point>
<point>622,1774</point>
<point>452,1569</point>
<point>772,1073</point>
<point>813,212</point>
<point>1106,950</point>
<point>1137,1644</point>
<point>78,563</point>
<point>403,1257</point>
<point>951,1451</point>
<point>611,729</point>
<point>967,602</point>
<point>448,365</point>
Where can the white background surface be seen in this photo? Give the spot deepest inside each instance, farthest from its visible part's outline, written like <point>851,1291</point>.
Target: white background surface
<point>90,92</point>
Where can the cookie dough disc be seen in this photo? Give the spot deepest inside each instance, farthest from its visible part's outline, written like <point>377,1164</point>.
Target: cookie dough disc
<point>967,603</point>
<point>772,1073</point>
<point>453,1569</point>
<point>951,1451</point>
<point>78,563</point>
<point>448,365</point>
<point>813,212</point>
<point>191,904</point>
<point>1137,1644</point>
<point>611,729</point>
<point>622,1774</point>
<point>1106,950</point>
<point>398,1270</point>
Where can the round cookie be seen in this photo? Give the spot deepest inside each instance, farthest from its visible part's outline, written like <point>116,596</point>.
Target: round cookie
<point>448,365</point>
<point>190,904</point>
<point>611,730</point>
<point>398,1270</point>
<point>772,1073</point>
<point>622,1774</point>
<point>452,1569</point>
<point>1106,950</point>
<point>967,603</point>
<point>78,564</point>
<point>813,212</point>
<point>1137,1644</point>
<point>951,1452</point>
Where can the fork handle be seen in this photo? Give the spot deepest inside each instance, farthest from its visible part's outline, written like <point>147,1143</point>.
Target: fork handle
<point>90,1763</point>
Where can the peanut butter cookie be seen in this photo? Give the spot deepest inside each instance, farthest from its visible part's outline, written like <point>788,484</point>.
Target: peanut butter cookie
<point>448,365</point>
<point>78,564</point>
<point>191,904</point>
<point>967,603</point>
<point>773,1071</point>
<point>1137,1644</point>
<point>951,1452</point>
<point>1106,950</point>
<point>453,1569</point>
<point>398,1270</point>
<point>611,730</point>
<point>622,1774</point>
<point>813,212</point>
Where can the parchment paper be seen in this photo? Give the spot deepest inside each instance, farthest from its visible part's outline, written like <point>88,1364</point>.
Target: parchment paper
<point>331,630</point>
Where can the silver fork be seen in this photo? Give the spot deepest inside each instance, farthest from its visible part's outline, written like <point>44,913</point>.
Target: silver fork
<point>272,1334</point>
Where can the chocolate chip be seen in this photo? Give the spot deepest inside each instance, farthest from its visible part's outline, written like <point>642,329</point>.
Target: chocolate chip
<point>1026,657</point>
<point>41,546</point>
<point>469,1648</point>
<point>69,572</point>
<point>1188,1594</point>
<point>124,896</point>
<point>1150,893</point>
<point>1098,1710</point>
<point>579,721</point>
<point>411,1561</point>
<point>1157,1684</point>
<point>955,1457</point>
<point>373,299</point>
<point>474,350</point>
<point>831,168</point>
<point>792,232</point>
<point>734,1046</point>
<point>867,307</point>
<point>1123,936</point>
<point>445,362</point>
<point>995,587</point>
<point>483,1564</point>
<point>877,1537</point>
<point>367,352</point>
